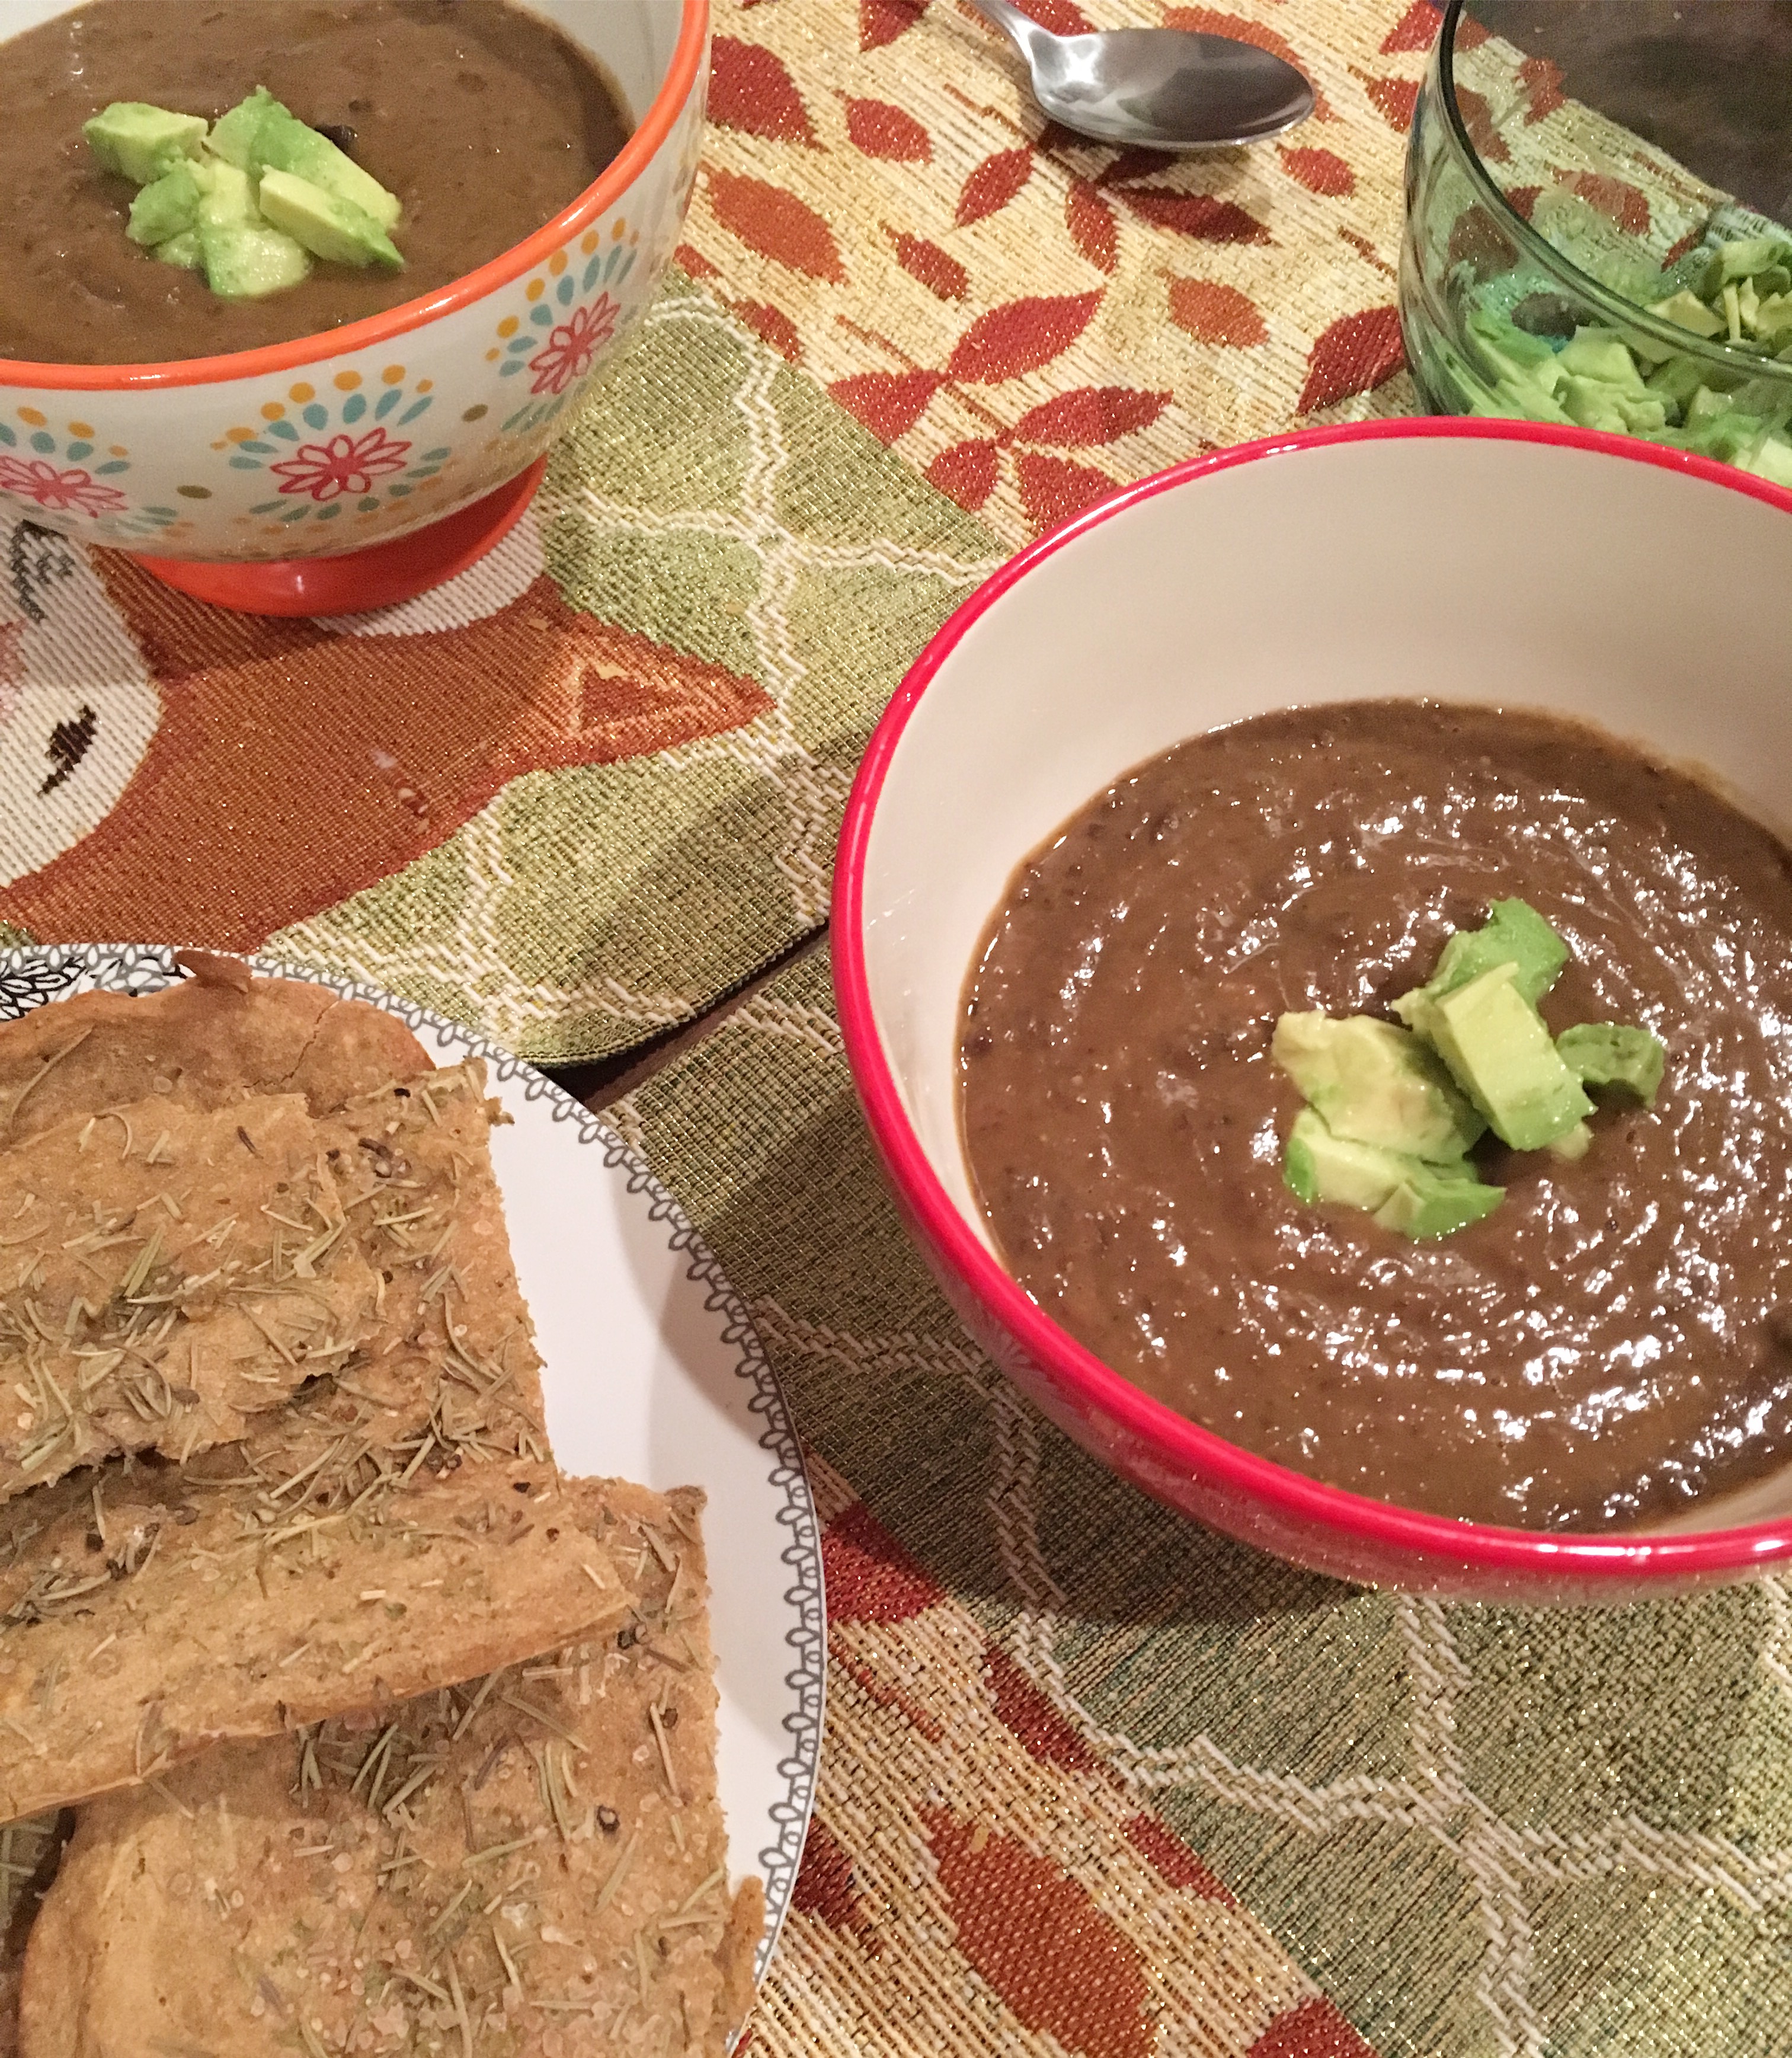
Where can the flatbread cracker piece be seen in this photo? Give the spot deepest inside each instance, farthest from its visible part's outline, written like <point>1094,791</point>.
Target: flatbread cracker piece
<point>201,1040</point>
<point>414,1163</point>
<point>165,1273</point>
<point>149,1612</point>
<point>533,1864</point>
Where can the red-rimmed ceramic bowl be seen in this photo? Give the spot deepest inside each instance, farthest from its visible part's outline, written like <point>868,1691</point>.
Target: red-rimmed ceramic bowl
<point>354,469</point>
<point>1481,561</point>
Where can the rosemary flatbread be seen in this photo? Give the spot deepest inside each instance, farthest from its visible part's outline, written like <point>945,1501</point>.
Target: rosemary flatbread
<point>208,1040</point>
<point>165,1273</point>
<point>536,1863</point>
<point>413,1163</point>
<point>147,1612</point>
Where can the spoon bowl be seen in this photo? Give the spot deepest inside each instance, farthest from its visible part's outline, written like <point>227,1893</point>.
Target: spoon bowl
<point>1156,88</point>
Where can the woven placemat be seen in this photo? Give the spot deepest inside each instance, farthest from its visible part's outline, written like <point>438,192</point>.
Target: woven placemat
<point>576,796</point>
<point>1097,1781</point>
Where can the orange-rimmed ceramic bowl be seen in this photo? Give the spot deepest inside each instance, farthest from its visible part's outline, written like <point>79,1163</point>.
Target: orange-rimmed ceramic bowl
<point>352,469</point>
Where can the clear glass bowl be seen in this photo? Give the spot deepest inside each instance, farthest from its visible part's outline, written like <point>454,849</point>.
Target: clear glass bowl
<point>1565,265</point>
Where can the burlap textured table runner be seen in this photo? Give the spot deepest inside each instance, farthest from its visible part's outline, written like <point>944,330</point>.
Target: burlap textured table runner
<point>579,794</point>
<point>1096,1782</point>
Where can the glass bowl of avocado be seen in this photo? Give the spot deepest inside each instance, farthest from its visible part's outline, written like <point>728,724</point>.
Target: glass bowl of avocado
<point>1595,209</point>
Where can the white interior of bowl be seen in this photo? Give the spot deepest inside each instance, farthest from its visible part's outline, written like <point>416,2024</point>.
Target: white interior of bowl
<point>632,39</point>
<point>1499,572</point>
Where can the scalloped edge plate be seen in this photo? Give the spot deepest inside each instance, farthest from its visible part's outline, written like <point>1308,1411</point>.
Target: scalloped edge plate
<point>651,1372</point>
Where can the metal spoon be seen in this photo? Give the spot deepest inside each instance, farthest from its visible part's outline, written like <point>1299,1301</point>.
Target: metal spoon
<point>1156,88</point>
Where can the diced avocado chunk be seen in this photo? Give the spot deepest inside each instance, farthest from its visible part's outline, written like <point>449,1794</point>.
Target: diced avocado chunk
<point>183,249</point>
<point>328,226</point>
<point>1514,933</point>
<point>1375,1083</point>
<point>167,206</point>
<point>233,134</point>
<point>283,143</point>
<point>141,142</point>
<point>246,263</point>
<point>1599,355</point>
<point>1500,1053</point>
<point>227,200</point>
<point>1401,1192</point>
<point>1615,1054</point>
<point>1688,312</point>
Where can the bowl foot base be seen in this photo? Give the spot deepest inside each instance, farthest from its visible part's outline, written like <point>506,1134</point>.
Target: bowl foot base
<point>379,576</point>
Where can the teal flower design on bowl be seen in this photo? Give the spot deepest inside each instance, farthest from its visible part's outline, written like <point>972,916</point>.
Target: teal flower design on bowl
<point>73,474</point>
<point>573,316</point>
<point>329,453</point>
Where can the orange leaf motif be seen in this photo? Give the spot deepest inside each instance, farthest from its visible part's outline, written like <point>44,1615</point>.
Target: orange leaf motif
<point>1091,225</point>
<point>1020,337</point>
<point>1089,415</point>
<point>776,224</point>
<point>750,90</point>
<point>1053,489</point>
<point>1523,199</point>
<point>770,325</point>
<point>1542,81</point>
<point>1212,313</point>
<point>881,130</point>
<point>1618,199</point>
<point>994,184</point>
<point>870,1577</point>
<point>937,270</point>
<point>1037,1936</point>
<point>825,1887</point>
<point>1355,355</point>
<point>882,21</point>
<point>1313,2028</point>
<point>1321,172</point>
<point>1211,22</point>
<point>1393,99</point>
<point>688,258</point>
<point>889,403</point>
<point>1061,17</point>
<point>1172,1860</point>
<point>1477,118</point>
<point>1195,214</point>
<point>965,473</point>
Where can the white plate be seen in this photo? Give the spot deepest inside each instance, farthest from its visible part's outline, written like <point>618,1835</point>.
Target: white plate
<point>652,1373</point>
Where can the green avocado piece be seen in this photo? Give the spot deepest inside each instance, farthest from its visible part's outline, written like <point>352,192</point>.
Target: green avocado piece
<point>1615,1054</point>
<point>1402,1193</point>
<point>1599,355</point>
<point>233,134</point>
<point>141,142</point>
<point>183,250</point>
<point>166,206</point>
<point>328,226</point>
<point>227,198</point>
<point>283,143</point>
<point>247,263</point>
<point>1499,1052</point>
<point>1375,1083</point>
<point>1514,933</point>
<point>1688,312</point>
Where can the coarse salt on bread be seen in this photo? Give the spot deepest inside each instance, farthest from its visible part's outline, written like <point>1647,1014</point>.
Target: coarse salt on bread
<point>165,1273</point>
<point>534,1866</point>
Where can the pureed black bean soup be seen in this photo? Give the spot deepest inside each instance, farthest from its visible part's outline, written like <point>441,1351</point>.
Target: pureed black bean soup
<point>1616,1338</point>
<point>484,121</point>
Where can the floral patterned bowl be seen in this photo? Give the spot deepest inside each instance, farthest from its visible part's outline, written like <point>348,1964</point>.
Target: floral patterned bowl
<point>353,469</point>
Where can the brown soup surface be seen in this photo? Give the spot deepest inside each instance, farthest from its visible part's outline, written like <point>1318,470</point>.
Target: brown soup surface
<point>1616,1338</point>
<point>484,121</point>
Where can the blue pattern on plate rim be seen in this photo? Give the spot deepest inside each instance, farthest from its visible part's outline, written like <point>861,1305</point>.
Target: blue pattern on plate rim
<point>30,978</point>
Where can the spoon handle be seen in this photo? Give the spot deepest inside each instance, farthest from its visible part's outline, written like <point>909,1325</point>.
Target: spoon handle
<point>1020,29</point>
